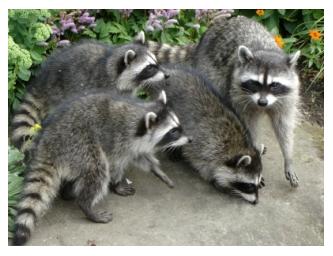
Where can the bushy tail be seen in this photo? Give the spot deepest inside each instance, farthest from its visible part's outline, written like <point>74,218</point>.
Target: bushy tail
<point>166,53</point>
<point>40,188</point>
<point>26,122</point>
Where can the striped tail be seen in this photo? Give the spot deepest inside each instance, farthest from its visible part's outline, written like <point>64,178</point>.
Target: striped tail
<point>40,188</point>
<point>27,119</point>
<point>166,53</point>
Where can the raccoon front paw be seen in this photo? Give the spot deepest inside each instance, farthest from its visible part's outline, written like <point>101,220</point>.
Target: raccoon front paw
<point>261,183</point>
<point>100,217</point>
<point>292,177</point>
<point>123,188</point>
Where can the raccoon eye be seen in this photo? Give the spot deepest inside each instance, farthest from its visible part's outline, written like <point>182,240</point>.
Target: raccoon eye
<point>174,132</point>
<point>275,85</point>
<point>151,67</point>
<point>245,187</point>
<point>250,86</point>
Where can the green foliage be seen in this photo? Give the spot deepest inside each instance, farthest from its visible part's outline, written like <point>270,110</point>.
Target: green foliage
<point>27,48</point>
<point>15,181</point>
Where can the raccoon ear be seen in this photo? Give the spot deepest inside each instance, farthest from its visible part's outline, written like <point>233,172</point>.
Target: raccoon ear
<point>244,54</point>
<point>140,38</point>
<point>238,161</point>
<point>244,161</point>
<point>129,57</point>
<point>292,58</point>
<point>150,119</point>
<point>162,97</point>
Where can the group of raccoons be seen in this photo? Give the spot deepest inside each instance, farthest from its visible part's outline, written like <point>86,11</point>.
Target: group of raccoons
<point>204,99</point>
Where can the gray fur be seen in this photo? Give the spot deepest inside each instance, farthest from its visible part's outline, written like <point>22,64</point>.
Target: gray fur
<point>90,142</point>
<point>227,53</point>
<point>222,150</point>
<point>85,66</point>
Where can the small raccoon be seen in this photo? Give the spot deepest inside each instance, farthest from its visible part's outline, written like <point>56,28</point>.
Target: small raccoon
<point>222,150</point>
<point>80,68</point>
<point>109,135</point>
<point>242,59</point>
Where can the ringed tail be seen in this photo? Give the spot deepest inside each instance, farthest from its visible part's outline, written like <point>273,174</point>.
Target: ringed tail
<point>41,185</point>
<point>26,122</point>
<point>166,53</point>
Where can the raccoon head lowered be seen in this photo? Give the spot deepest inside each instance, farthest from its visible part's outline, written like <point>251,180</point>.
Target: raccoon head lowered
<point>263,77</point>
<point>137,67</point>
<point>241,176</point>
<point>161,128</point>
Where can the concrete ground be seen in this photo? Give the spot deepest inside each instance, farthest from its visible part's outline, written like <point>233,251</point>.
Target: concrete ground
<point>194,213</point>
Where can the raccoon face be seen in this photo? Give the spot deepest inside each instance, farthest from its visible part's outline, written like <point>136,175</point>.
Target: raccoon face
<point>138,68</point>
<point>241,178</point>
<point>162,128</point>
<point>264,77</point>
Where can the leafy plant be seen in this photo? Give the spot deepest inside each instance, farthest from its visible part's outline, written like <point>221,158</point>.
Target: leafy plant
<point>27,47</point>
<point>15,181</point>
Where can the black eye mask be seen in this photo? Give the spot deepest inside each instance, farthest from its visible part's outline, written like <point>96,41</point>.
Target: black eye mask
<point>172,135</point>
<point>247,188</point>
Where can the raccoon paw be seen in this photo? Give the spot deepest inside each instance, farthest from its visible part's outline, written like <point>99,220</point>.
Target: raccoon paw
<point>123,188</point>
<point>261,183</point>
<point>293,179</point>
<point>100,217</point>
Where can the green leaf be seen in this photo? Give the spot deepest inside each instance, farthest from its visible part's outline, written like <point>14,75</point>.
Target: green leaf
<point>37,57</point>
<point>89,33</point>
<point>24,74</point>
<point>282,11</point>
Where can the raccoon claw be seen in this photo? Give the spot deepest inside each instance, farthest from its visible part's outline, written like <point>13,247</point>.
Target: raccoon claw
<point>123,188</point>
<point>100,217</point>
<point>293,179</point>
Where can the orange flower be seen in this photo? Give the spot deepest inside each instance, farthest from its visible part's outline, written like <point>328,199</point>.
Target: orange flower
<point>260,12</point>
<point>279,41</point>
<point>314,34</point>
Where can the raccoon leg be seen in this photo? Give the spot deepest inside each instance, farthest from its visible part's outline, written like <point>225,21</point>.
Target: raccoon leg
<point>251,120</point>
<point>155,169</point>
<point>151,163</point>
<point>283,125</point>
<point>91,188</point>
<point>123,188</point>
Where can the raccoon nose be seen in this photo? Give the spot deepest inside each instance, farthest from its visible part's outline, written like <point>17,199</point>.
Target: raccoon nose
<point>262,102</point>
<point>190,139</point>
<point>166,75</point>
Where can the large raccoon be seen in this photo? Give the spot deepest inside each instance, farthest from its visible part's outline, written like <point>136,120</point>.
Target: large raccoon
<point>82,67</point>
<point>242,59</point>
<point>109,135</point>
<point>222,150</point>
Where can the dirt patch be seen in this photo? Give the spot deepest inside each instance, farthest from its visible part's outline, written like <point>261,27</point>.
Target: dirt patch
<point>312,94</point>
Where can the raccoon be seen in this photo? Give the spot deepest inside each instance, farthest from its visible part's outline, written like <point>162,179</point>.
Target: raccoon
<point>222,150</point>
<point>85,66</point>
<point>242,59</point>
<point>109,135</point>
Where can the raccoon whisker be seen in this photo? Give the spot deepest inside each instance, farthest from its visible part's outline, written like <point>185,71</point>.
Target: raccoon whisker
<point>246,105</point>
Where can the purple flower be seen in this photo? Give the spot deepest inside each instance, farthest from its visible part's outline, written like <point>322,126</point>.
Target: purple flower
<point>126,12</point>
<point>63,43</point>
<point>86,19</point>
<point>170,23</point>
<point>160,19</point>
<point>55,31</point>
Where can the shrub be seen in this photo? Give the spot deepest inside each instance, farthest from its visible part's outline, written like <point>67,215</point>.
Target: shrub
<point>15,181</point>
